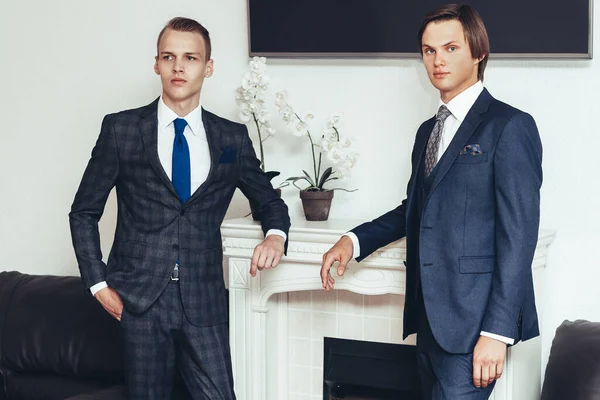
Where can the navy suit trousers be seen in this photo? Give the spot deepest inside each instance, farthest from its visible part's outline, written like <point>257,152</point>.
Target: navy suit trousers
<point>444,376</point>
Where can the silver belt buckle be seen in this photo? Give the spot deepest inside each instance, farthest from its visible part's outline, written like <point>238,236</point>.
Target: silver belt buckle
<point>175,273</point>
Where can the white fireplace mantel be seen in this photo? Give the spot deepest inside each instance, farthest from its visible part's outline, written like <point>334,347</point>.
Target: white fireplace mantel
<point>381,273</point>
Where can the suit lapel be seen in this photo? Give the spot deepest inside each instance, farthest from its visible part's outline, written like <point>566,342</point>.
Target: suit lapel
<point>461,138</point>
<point>213,129</point>
<point>149,128</point>
<point>420,145</point>
<point>422,139</point>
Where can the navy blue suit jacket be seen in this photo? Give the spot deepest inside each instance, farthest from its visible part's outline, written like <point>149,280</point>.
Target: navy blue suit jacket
<point>478,229</point>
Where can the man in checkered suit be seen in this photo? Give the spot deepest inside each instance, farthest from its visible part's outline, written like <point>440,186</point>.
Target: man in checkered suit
<point>175,167</point>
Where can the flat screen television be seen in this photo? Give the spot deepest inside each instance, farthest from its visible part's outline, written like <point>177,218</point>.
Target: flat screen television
<point>388,28</point>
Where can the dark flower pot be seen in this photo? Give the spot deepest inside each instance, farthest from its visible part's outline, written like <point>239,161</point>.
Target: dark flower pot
<point>316,204</point>
<point>255,210</point>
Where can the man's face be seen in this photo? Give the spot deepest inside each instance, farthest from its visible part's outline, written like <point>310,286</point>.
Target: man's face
<point>182,66</point>
<point>447,57</point>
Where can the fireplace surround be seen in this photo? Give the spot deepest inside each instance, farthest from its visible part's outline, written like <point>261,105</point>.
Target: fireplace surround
<point>261,317</point>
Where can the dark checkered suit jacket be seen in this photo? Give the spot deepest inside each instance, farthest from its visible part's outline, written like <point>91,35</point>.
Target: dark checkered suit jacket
<point>153,226</point>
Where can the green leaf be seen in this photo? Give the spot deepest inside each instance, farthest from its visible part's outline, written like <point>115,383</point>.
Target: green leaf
<point>308,177</point>
<point>295,179</point>
<point>326,174</point>
<point>345,190</point>
<point>272,174</point>
<point>298,187</point>
<point>331,179</point>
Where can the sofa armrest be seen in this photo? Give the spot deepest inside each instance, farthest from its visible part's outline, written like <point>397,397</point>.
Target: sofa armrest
<point>51,324</point>
<point>573,370</point>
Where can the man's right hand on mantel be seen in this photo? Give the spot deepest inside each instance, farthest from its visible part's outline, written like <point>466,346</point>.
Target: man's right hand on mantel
<point>111,301</point>
<point>341,252</point>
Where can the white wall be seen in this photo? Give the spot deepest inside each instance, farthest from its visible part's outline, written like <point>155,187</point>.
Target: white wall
<point>67,63</point>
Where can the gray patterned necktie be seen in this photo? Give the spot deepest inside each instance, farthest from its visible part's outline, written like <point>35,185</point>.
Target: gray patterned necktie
<point>433,145</point>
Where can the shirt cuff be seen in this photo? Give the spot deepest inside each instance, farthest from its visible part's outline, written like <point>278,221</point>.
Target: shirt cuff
<point>276,232</point>
<point>355,244</point>
<point>503,339</point>
<point>96,288</point>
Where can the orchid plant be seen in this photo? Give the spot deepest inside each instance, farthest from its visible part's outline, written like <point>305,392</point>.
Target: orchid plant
<point>250,100</point>
<point>330,145</point>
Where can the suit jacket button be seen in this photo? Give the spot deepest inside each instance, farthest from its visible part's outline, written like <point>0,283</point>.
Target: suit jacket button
<point>182,213</point>
<point>175,247</point>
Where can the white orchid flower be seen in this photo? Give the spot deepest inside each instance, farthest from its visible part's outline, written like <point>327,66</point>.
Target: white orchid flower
<point>345,142</point>
<point>264,81</point>
<point>281,97</point>
<point>330,132</point>
<point>326,145</point>
<point>334,121</point>
<point>258,65</point>
<point>342,172</point>
<point>245,118</point>
<point>285,111</point>
<point>335,155</point>
<point>263,116</point>
<point>350,160</point>
<point>301,129</point>
<point>248,81</point>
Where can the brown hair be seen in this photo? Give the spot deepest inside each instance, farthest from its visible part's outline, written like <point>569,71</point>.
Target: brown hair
<point>181,24</point>
<point>472,25</point>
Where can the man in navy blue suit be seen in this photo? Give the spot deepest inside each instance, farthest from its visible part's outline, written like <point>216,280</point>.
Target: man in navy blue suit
<point>470,218</point>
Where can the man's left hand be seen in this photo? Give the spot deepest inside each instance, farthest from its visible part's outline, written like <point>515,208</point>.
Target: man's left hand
<point>488,361</point>
<point>267,254</point>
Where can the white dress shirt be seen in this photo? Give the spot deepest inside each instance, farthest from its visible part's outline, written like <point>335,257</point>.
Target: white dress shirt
<point>459,106</point>
<point>194,134</point>
<point>200,160</point>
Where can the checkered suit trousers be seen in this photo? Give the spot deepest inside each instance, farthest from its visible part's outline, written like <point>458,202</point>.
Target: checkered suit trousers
<point>162,339</point>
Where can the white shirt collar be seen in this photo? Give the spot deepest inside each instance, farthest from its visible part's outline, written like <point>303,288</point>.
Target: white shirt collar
<point>460,105</point>
<point>166,116</point>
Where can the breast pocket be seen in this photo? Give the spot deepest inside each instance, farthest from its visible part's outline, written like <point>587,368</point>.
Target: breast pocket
<point>476,265</point>
<point>471,159</point>
<point>227,171</point>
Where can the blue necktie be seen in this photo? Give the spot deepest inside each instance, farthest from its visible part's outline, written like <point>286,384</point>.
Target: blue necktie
<point>182,179</point>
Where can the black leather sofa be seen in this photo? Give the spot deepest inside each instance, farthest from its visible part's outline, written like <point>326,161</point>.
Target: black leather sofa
<point>573,369</point>
<point>56,341</point>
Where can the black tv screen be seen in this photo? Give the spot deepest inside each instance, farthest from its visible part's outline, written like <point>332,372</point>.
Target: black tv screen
<point>388,28</point>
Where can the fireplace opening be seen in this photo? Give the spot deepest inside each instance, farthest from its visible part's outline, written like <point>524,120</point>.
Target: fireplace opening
<point>362,370</point>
